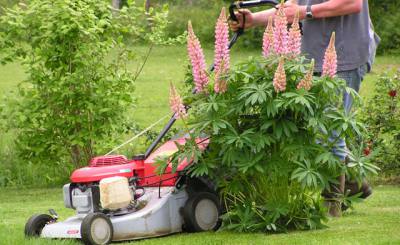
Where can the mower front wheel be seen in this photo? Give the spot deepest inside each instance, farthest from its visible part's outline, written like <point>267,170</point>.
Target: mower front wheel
<point>202,212</point>
<point>96,229</point>
<point>36,223</point>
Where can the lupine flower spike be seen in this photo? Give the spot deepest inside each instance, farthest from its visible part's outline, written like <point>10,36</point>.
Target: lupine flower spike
<point>329,68</point>
<point>176,104</point>
<point>280,77</point>
<point>221,59</point>
<point>220,85</point>
<point>268,39</point>
<point>306,82</point>
<point>281,32</point>
<point>197,60</point>
<point>295,37</point>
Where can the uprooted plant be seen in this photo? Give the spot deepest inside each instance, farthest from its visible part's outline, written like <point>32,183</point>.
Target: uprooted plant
<point>269,121</point>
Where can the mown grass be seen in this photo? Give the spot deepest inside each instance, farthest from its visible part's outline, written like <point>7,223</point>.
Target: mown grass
<point>375,221</point>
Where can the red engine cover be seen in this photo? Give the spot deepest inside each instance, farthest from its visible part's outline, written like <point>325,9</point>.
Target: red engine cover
<point>117,165</point>
<point>93,174</point>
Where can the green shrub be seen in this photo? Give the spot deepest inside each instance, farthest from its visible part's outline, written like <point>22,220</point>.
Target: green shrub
<point>74,102</point>
<point>382,117</point>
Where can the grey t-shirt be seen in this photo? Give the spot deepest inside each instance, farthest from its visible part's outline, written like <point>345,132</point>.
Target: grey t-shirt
<point>353,39</point>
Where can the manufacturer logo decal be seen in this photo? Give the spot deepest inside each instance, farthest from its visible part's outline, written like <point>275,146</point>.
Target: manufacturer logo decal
<point>126,170</point>
<point>72,232</point>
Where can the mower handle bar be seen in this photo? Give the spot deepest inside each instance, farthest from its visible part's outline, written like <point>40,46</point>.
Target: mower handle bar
<point>235,37</point>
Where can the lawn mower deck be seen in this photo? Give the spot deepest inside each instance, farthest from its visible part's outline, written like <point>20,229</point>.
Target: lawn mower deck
<point>161,204</point>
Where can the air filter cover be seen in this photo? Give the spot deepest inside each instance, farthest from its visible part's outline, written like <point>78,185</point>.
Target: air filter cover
<point>115,193</point>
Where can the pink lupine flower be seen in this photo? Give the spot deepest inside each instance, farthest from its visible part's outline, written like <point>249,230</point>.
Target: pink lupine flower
<point>222,59</point>
<point>281,32</point>
<point>197,60</point>
<point>280,77</point>
<point>268,39</point>
<point>176,104</point>
<point>329,68</point>
<point>306,82</point>
<point>295,37</point>
<point>220,85</point>
<point>221,42</point>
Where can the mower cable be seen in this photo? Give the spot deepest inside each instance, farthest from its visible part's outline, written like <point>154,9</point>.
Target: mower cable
<point>138,135</point>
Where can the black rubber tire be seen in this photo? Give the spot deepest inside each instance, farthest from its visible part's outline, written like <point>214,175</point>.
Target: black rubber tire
<point>86,228</point>
<point>189,215</point>
<point>36,223</point>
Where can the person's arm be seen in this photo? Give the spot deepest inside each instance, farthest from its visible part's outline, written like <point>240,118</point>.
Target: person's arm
<point>336,8</point>
<point>327,9</point>
<point>322,10</point>
<point>261,18</point>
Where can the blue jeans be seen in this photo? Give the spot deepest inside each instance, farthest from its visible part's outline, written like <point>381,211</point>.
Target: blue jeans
<point>353,80</point>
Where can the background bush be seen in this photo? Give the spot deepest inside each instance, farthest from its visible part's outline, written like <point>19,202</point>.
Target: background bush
<point>382,117</point>
<point>74,103</point>
<point>385,15</point>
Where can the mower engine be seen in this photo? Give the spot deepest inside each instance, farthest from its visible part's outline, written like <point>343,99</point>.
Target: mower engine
<point>111,194</point>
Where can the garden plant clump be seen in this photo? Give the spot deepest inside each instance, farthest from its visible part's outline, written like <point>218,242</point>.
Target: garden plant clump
<point>269,121</point>
<point>382,118</point>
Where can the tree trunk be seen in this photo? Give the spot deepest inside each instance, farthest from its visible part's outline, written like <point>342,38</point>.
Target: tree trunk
<point>147,5</point>
<point>116,4</point>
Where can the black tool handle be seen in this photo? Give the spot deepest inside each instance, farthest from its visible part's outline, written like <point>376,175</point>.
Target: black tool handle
<point>248,4</point>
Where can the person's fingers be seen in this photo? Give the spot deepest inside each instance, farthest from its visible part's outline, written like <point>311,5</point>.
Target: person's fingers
<point>234,25</point>
<point>238,15</point>
<point>244,11</point>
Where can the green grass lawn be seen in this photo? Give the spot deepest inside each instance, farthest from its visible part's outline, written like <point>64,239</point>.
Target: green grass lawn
<point>375,221</point>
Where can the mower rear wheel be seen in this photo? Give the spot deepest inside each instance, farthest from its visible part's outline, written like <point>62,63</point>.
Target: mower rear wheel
<point>96,229</point>
<point>202,212</point>
<point>36,223</point>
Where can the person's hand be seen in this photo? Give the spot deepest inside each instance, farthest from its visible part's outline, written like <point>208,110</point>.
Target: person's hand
<point>290,8</point>
<point>235,25</point>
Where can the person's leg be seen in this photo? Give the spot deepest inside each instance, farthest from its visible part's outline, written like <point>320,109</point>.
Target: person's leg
<point>353,80</point>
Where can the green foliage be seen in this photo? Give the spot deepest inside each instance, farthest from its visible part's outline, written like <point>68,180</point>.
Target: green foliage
<point>73,104</point>
<point>385,15</point>
<point>270,153</point>
<point>382,117</point>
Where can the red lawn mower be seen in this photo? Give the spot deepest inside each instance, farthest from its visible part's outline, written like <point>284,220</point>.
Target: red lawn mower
<point>119,199</point>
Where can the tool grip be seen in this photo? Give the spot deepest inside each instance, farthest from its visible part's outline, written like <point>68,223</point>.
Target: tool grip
<point>248,4</point>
